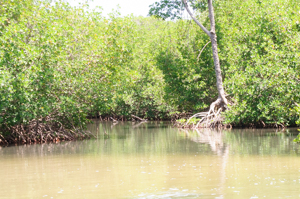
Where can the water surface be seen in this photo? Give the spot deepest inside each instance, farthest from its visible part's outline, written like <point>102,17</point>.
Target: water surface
<point>154,160</point>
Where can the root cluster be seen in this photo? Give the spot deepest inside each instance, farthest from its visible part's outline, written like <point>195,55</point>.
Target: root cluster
<point>41,131</point>
<point>209,119</point>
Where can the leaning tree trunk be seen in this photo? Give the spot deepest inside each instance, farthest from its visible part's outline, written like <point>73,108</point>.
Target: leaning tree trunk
<point>212,117</point>
<point>213,38</point>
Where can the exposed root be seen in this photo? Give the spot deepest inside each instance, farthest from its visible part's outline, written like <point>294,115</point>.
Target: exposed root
<point>40,131</point>
<point>209,119</point>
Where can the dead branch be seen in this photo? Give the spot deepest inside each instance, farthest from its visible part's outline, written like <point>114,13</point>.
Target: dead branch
<point>115,121</point>
<point>138,118</point>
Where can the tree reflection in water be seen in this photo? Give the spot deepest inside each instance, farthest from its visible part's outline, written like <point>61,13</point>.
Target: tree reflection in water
<point>214,139</point>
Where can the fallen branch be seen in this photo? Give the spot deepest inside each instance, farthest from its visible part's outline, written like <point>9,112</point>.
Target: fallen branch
<point>138,118</point>
<point>115,121</point>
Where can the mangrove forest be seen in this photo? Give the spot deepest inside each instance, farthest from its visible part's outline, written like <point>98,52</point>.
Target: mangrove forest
<point>62,65</point>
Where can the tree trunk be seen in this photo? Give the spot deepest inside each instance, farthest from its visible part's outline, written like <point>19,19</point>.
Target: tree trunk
<point>222,101</point>
<point>213,38</point>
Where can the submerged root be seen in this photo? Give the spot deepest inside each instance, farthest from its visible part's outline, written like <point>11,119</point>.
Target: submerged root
<point>209,119</point>
<point>41,131</point>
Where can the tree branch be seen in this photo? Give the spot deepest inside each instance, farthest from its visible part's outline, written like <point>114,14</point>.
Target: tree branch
<point>192,16</point>
<point>202,51</point>
<point>211,17</point>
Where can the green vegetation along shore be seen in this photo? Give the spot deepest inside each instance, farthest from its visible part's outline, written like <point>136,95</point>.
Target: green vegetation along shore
<point>60,65</point>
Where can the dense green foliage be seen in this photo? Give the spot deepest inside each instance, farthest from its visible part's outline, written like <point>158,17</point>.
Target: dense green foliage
<point>259,53</point>
<point>260,42</point>
<point>61,64</point>
<point>67,63</point>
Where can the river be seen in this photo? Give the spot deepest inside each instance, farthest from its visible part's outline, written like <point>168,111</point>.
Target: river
<point>153,160</point>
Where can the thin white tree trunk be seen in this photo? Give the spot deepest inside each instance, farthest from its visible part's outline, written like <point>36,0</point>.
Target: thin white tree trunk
<point>213,37</point>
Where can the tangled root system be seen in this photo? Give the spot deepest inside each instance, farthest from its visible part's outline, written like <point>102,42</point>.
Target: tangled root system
<point>41,131</point>
<point>209,119</point>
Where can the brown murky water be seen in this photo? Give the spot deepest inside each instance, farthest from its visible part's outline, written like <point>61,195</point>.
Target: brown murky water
<point>153,160</point>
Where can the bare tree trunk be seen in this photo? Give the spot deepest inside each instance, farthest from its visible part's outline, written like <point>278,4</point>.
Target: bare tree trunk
<point>213,37</point>
<point>211,118</point>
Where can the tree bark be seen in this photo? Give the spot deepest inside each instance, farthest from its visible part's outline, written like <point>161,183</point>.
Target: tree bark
<point>213,38</point>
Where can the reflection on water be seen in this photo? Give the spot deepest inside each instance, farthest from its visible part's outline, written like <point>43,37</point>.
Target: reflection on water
<point>153,160</point>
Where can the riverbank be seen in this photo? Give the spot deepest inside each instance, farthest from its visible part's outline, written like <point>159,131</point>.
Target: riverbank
<point>71,63</point>
<point>39,132</point>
